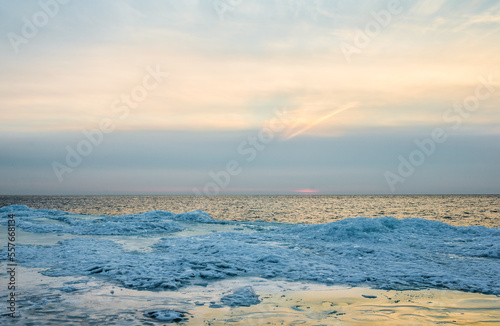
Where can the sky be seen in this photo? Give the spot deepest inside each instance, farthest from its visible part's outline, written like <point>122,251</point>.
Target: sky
<point>249,97</point>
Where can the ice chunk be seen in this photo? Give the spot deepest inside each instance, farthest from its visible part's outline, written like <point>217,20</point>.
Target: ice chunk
<point>167,315</point>
<point>383,253</point>
<point>244,297</point>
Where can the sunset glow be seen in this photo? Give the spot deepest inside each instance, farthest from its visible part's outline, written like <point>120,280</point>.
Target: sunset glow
<point>160,95</point>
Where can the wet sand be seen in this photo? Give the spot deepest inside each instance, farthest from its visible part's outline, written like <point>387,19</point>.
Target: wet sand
<point>83,301</point>
<point>359,306</point>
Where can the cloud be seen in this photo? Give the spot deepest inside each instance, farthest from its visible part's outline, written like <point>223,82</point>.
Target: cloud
<point>175,162</point>
<point>428,7</point>
<point>228,76</point>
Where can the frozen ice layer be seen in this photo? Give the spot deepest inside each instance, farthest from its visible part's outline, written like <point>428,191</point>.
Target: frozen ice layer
<point>383,253</point>
<point>53,221</point>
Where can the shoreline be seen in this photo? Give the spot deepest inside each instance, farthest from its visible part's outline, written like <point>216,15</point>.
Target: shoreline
<point>95,301</point>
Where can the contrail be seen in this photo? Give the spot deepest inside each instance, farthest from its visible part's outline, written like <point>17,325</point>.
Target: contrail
<point>318,121</point>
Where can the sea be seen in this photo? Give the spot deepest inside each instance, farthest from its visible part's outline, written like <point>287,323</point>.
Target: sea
<point>458,210</point>
<point>218,260</point>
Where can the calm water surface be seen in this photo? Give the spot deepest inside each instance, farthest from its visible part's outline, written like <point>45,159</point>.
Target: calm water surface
<point>459,210</point>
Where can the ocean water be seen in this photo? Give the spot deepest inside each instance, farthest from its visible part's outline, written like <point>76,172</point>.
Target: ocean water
<point>136,260</point>
<point>459,210</point>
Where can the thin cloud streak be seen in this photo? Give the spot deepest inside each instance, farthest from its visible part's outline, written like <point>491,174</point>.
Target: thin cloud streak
<point>323,118</point>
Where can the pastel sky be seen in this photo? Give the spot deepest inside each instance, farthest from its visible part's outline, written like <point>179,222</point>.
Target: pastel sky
<point>249,97</point>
